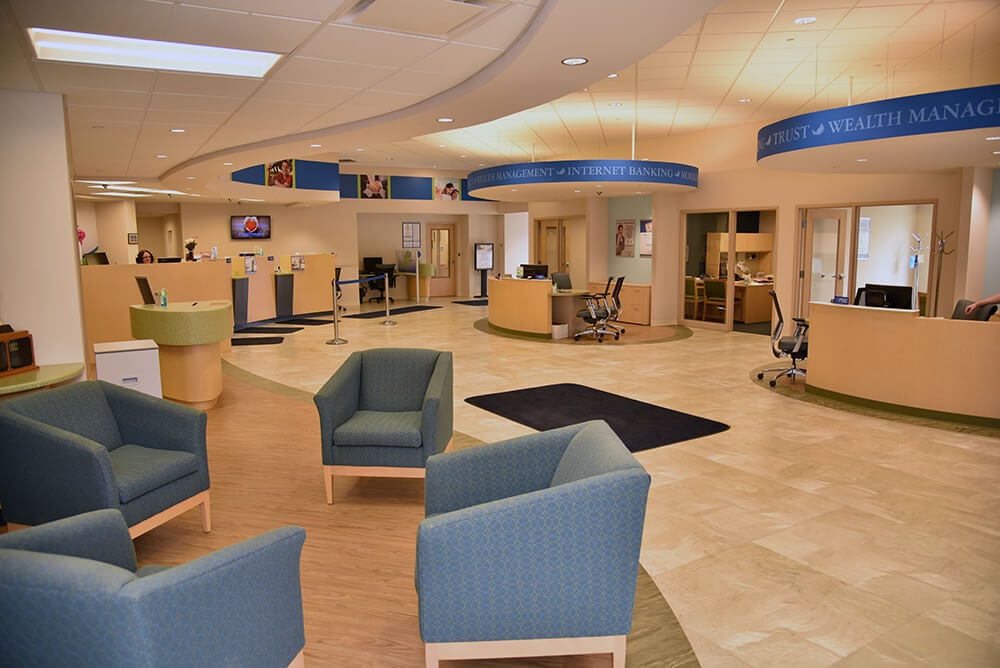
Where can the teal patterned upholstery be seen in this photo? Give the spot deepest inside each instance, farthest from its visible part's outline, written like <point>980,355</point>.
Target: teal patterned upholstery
<point>70,595</point>
<point>533,537</point>
<point>92,445</point>
<point>387,407</point>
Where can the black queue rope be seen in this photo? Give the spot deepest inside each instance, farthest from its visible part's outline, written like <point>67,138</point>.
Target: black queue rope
<point>336,340</point>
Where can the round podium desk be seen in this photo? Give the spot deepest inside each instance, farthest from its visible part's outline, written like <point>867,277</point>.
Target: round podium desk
<point>188,336</point>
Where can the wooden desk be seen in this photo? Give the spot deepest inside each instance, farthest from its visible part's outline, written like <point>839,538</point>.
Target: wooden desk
<point>896,357</point>
<point>530,306</point>
<point>754,303</point>
<point>188,336</point>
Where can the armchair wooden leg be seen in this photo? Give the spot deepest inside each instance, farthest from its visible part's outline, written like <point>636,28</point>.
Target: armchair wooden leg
<point>206,514</point>
<point>328,482</point>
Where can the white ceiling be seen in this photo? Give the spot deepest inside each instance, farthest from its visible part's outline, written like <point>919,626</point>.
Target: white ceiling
<point>367,79</point>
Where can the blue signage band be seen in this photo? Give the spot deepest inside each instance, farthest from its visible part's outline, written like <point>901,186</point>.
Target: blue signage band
<point>584,171</point>
<point>930,113</point>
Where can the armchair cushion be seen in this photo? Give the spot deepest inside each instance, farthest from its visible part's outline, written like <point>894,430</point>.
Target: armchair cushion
<point>394,429</point>
<point>139,470</point>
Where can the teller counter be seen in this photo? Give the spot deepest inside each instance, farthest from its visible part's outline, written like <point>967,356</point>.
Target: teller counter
<point>530,306</point>
<point>110,289</point>
<point>931,366</point>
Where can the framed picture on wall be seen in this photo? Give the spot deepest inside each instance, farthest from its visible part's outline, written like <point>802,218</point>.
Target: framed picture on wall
<point>645,238</point>
<point>625,238</point>
<point>133,238</point>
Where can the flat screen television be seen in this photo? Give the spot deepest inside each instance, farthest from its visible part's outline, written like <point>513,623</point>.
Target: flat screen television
<point>250,227</point>
<point>535,270</point>
<point>484,255</point>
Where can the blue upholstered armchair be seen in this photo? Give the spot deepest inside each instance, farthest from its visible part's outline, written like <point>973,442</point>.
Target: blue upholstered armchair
<point>530,546</point>
<point>92,445</point>
<point>71,595</point>
<point>384,412</point>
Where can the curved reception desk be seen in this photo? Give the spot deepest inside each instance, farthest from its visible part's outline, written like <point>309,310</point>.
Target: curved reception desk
<point>188,335</point>
<point>530,306</point>
<point>937,367</point>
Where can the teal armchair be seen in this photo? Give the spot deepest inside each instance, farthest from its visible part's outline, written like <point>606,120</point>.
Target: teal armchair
<point>71,595</point>
<point>384,412</point>
<point>530,546</point>
<point>92,445</point>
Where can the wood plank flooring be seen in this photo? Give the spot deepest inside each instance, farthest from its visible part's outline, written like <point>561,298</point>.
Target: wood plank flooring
<point>359,602</point>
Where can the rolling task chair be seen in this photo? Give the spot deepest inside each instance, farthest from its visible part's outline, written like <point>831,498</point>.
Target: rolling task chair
<point>596,315</point>
<point>615,307</point>
<point>795,347</point>
<point>383,285</point>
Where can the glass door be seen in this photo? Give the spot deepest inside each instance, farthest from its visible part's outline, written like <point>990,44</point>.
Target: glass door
<point>824,255</point>
<point>442,282</point>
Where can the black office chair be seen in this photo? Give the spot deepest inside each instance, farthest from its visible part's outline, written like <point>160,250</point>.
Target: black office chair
<point>384,284</point>
<point>983,313</point>
<point>615,306</point>
<point>596,315</point>
<point>795,347</point>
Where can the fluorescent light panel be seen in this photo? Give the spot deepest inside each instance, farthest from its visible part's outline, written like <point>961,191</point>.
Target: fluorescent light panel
<point>75,47</point>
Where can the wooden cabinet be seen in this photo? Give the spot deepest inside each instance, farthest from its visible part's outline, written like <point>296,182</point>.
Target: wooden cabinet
<point>747,243</point>
<point>635,301</point>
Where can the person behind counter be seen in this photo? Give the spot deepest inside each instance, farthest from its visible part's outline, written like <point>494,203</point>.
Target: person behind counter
<point>144,257</point>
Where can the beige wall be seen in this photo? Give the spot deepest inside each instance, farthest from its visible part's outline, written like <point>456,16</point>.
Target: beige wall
<point>39,254</point>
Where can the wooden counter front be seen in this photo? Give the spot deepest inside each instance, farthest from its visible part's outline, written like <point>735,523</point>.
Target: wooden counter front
<point>895,356</point>
<point>530,306</point>
<point>109,290</point>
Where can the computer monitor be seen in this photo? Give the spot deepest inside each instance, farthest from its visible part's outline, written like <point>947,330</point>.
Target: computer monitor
<point>370,264</point>
<point>561,280</point>
<point>168,259</point>
<point>534,270</point>
<point>147,292</point>
<point>889,296</point>
<point>96,257</point>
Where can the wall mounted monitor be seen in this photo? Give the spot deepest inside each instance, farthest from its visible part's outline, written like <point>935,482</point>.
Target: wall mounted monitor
<point>250,227</point>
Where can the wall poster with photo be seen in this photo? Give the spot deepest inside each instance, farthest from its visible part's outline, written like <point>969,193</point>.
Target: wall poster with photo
<point>373,186</point>
<point>281,174</point>
<point>447,189</point>
<point>625,238</point>
<point>646,238</point>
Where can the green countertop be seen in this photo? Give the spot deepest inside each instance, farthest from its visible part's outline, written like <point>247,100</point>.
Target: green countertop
<point>182,323</point>
<point>43,376</point>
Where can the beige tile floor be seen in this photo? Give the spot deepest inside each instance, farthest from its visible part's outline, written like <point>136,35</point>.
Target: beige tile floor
<point>803,536</point>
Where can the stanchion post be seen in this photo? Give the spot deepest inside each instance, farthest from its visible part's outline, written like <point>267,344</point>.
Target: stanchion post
<point>385,293</point>
<point>336,340</point>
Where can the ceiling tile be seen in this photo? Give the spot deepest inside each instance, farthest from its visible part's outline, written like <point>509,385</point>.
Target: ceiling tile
<point>290,93</point>
<point>502,28</point>
<point>168,101</point>
<point>315,10</point>
<point>340,74</point>
<point>423,84</point>
<point>737,23</point>
<point>198,25</point>
<point>421,17</point>
<point>456,60</point>
<point>372,47</point>
<point>204,84</point>
<point>66,76</point>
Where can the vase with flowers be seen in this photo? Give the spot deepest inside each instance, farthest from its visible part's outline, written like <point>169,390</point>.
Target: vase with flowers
<point>190,243</point>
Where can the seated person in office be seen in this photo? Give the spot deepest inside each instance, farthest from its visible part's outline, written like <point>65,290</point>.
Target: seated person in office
<point>985,301</point>
<point>144,257</point>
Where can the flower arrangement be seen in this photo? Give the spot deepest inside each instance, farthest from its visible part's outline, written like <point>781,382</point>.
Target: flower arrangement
<point>190,244</point>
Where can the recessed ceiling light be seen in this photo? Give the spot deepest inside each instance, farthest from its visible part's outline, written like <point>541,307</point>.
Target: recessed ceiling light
<point>992,138</point>
<point>996,152</point>
<point>614,104</point>
<point>178,131</point>
<point>162,155</point>
<point>445,119</point>
<point>77,47</point>
<point>228,164</point>
<point>191,178</point>
<point>613,75</point>
<point>442,146</point>
<point>359,150</point>
<point>862,160</point>
<point>315,146</point>
<point>745,100</point>
<point>805,20</point>
<point>572,62</point>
